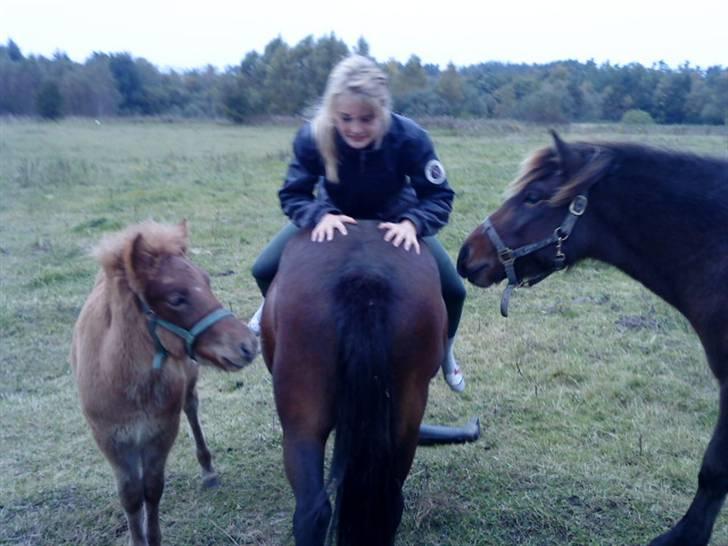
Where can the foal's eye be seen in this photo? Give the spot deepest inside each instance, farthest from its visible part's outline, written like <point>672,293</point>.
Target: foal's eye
<point>176,300</point>
<point>533,197</point>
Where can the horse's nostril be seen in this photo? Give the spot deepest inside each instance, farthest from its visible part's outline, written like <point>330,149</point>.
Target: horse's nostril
<point>249,350</point>
<point>462,256</point>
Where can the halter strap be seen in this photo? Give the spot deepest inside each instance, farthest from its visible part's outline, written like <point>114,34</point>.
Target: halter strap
<point>507,256</point>
<point>188,336</point>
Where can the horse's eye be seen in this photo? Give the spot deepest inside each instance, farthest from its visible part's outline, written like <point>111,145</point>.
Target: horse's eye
<point>533,197</point>
<point>176,300</point>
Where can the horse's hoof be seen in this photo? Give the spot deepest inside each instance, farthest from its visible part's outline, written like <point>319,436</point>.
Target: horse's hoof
<point>675,537</point>
<point>210,481</point>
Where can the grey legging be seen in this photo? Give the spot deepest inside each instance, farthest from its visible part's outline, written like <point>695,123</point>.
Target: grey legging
<point>453,290</point>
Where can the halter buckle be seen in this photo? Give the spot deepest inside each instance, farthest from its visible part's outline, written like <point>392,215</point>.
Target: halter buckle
<point>506,256</point>
<point>578,205</point>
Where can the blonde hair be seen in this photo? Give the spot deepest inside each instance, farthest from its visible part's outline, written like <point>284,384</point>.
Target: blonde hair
<point>359,77</point>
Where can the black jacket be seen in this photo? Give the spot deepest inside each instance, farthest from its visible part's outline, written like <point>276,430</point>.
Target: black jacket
<point>402,179</point>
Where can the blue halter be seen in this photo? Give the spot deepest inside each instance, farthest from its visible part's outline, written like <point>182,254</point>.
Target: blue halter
<point>189,336</point>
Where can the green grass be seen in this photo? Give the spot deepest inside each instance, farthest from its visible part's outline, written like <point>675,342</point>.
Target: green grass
<point>594,396</point>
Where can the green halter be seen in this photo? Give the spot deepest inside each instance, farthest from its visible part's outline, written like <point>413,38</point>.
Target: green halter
<point>189,336</point>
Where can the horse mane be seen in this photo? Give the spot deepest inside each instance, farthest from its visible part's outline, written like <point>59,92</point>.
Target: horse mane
<point>595,160</point>
<point>160,239</point>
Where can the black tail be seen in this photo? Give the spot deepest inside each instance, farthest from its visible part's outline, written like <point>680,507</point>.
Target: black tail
<point>368,493</point>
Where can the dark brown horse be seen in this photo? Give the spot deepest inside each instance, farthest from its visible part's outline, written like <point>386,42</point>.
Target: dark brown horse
<point>150,318</point>
<point>352,332</point>
<point>659,216</point>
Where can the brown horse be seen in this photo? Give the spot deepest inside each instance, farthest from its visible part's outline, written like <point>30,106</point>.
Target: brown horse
<point>659,216</point>
<point>353,330</point>
<point>133,379</point>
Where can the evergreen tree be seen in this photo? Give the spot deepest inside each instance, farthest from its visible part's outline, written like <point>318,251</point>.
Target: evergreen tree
<point>128,83</point>
<point>49,101</point>
<point>410,78</point>
<point>13,51</point>
<point>236,100</point>
<point>670,97</point>
<point>362,47</point>
<point>451,88</point>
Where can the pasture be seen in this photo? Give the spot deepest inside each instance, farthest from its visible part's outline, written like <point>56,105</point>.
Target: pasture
<point>594,396</point>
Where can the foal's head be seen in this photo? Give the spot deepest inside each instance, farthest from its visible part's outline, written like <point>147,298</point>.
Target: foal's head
<point>528,234</point>
<point>150,261</point>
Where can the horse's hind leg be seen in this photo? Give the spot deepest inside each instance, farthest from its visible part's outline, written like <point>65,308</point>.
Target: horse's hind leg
<point>696,526</point>
<point>209,476</point>
<point>413,400</point>
<point>304,462</point>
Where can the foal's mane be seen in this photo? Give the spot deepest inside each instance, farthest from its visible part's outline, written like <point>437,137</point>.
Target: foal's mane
<point>159,239</point>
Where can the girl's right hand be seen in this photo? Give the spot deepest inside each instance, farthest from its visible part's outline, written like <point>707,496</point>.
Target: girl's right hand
<point>324,230</point>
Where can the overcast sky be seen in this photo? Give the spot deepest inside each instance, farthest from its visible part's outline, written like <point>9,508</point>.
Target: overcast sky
<point>185,34</point>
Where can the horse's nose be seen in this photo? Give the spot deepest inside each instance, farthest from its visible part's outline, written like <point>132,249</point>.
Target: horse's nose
<point>462,257</point>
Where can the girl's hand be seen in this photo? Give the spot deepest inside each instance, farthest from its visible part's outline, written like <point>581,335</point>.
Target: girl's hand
<point>402,232</point>
<point>324,230</point>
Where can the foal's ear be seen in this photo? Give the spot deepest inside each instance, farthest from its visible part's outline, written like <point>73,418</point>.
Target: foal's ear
<point>183,228</point>
<point>184,232</point>
<point>568,160</point>
<point>140,262</point>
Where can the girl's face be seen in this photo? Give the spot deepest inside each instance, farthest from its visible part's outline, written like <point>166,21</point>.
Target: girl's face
<point>356,121</point>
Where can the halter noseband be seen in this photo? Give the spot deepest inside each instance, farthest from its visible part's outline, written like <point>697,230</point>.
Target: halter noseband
<point>189,336</point>
<point>507,256</point>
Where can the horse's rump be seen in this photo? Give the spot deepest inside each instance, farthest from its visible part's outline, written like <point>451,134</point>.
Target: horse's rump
<point>353,330</point>
<point>312,271</point>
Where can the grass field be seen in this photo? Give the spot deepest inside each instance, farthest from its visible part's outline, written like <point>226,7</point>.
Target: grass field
<point>594,396</point>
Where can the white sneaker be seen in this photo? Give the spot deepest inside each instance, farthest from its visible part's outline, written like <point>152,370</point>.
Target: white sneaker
<point>455,380</point>
<point>451,370</point>
<point>254,322</point>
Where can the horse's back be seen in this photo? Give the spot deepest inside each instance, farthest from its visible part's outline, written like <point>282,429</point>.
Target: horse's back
<point>314,268</point>
<point>312,271</point>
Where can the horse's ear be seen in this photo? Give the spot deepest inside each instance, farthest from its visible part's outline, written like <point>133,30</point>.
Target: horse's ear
<point>184,231</point>
<point>140,262</point>
<point>184,228</point>
<point>568,160</point>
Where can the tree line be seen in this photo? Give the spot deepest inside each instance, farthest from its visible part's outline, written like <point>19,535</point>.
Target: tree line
<point>287,80</point>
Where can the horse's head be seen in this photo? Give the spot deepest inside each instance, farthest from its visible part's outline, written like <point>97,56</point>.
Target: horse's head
<point>530,235</point>
<point>183,313</point>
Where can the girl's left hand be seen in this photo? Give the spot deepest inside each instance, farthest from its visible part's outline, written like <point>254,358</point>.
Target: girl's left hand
<point>402,232</point>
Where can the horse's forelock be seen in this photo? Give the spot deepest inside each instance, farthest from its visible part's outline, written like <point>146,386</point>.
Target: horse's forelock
<point>539,164</point>
<point>597,160</point>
